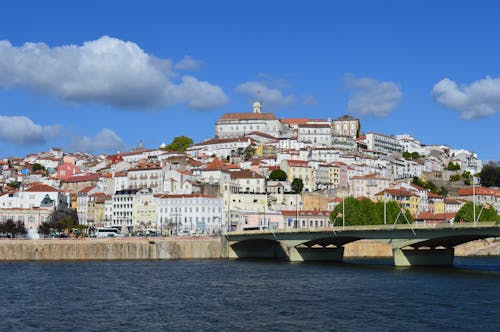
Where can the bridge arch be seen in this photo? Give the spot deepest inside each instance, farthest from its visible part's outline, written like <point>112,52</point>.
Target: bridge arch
<point>258,248</point>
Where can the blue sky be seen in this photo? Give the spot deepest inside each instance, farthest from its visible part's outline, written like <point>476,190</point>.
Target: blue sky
<point>95,75</point>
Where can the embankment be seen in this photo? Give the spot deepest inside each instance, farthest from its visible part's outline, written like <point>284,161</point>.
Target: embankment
<point>180,248</point>
<point>110,249</point>
<point>370,248</point>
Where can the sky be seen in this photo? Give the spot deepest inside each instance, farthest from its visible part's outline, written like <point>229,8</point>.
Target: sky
<point>95,76</point>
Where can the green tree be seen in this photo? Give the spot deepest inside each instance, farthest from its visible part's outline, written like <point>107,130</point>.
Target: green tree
<point>415,155</point>
<point>278,175</point>
<point>297,185</point>
<point>453,167</point>
<point>59,221</point>
<point>483,213</point>
<point>179,143</point>
<point>249,152</point>
<point>366,212</point>
<point>37,167</point>
<point>490,175</point>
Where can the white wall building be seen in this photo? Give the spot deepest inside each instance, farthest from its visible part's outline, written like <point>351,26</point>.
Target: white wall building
<point>189,214</point>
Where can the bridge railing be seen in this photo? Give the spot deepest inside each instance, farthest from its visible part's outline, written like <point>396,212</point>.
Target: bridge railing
<point>485,224</point>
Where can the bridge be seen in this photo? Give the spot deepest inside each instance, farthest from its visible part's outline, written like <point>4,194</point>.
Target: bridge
<point>412,245</point>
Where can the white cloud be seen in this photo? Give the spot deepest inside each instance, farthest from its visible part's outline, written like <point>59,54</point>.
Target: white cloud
<point>189,63</point>
<point>21,130</point>
<point>270,97</point>
<point>106,71</point>
<point>105,140</point>
<point>477,100</point>
<point>372,97</point>
<point>309,101</point>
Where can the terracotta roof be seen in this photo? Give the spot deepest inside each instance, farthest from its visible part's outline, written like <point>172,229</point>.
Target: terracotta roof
<point>478,191</point>
<point>370,176</point>
<point>346,117</point>
<point>314,125</point>
<point>183,196</point>
<point>396,192</point>
<point>82,178</point>
<point>248,116</point>
<point>258,133</point>
<point>297,163</point>
<point>87,189</point>
<point>245,175</point>
<point>296,121</point>
<point>433,195</point>
<point>41,188</point>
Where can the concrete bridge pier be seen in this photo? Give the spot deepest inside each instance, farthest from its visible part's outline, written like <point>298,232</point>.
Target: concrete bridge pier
<point>301,254</point>
<point>423,257</point>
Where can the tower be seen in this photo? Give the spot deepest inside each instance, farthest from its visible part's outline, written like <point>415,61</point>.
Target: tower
<point>257,107</point>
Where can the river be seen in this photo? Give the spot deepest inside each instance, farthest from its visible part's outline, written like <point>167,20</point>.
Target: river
<point>249,295</point>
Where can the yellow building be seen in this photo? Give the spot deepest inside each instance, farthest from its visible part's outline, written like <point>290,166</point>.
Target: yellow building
<point>143,211</point>
<point>408,200</point>
<point>95,214</point>
<point>299,169</point>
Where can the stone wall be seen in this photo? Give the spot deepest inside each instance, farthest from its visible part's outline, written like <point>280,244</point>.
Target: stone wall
<point>181,248</point>
<point>110,249</point>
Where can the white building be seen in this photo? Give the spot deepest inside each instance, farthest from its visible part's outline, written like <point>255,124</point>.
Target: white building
<point>315,134</point>
<point>189,214</point>
<point>123,207</point>
<point>35,196</point>
<point>383,143</point>
<point>146,176</point>
<point>232,125</point>
<point>346,126</point>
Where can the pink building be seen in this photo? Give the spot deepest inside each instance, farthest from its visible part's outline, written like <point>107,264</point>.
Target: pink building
<point>252,220</point>
<point>66,171</point>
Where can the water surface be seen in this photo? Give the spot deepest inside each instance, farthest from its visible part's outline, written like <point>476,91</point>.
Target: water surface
<point>222,295</point>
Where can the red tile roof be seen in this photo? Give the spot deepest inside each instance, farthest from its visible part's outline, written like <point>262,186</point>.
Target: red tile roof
<point>245,175</point>
<point>295,121</point>
<point>478,191</point>
<point>162,196</point>
<point>297,163</point>
<point>370,176</point>
<point>39,187</point>
<point>396,192</point>
<point>82,178</point>
<point>247,116</point>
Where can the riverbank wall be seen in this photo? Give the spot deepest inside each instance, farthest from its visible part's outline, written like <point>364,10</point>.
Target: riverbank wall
<point>181,248</point>
<point>110,249</point>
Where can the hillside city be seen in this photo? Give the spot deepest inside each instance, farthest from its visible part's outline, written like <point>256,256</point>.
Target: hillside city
<point>258,172</point>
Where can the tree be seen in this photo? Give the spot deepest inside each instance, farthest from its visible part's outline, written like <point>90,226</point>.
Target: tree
<point>483,213</point>
<point>13,228</point>
<point>453,167</point>
<point>249,152</point>
<point>490,175</point>
<point>179,143</point>
<point>297,185</point>
<point>366,212</point>
<point>278,175</point>
<point>37,167</point>
<point>59,221</point>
